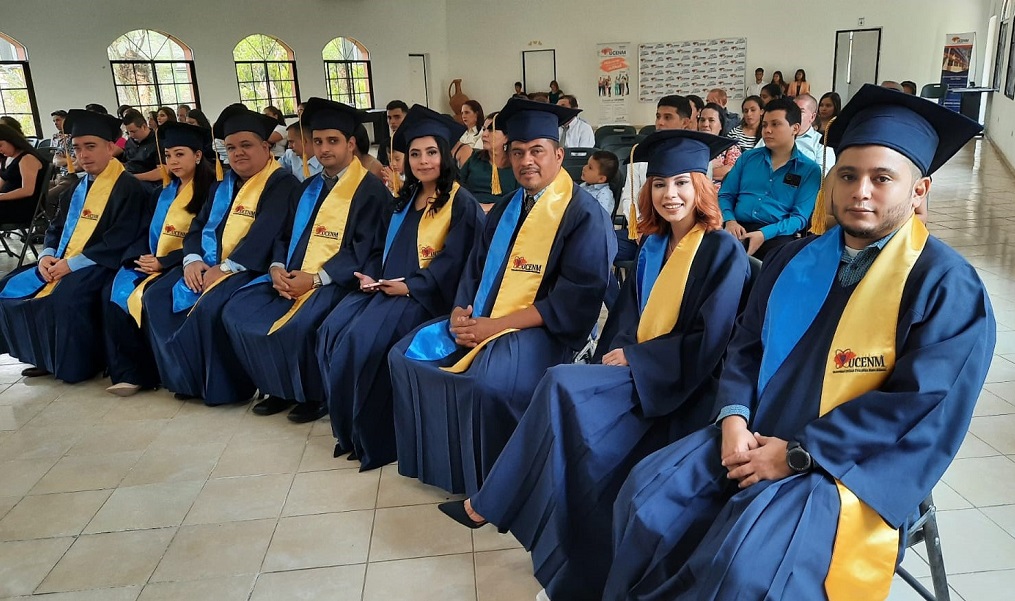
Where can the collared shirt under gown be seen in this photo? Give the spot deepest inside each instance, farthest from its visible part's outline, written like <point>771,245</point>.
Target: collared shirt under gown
<point>682,530</point>
<point>283,363</point>
<point>62,332</point>
<point>554,485</point>
<point>192,350</point>
<point>450,428</point>
<point>354,340</point>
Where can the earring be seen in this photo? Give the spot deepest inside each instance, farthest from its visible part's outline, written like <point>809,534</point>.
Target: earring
<point>198,162</point>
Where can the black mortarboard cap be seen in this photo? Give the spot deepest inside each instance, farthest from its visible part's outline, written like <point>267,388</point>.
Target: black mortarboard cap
<point>236,118</point>
<point>421,121</point>
<point>174,133</point>
<point>672,152</point>
<point>527,120</point>
<point>319,113</point>
<point>80,122</point>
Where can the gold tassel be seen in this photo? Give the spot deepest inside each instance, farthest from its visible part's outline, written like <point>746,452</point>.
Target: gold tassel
<point>70,159</point>
<point>632,217</point>
<point>303,144</point>
<point>219,174</point>
<point>163,171</point>
<point>495,188</point>
<point>396,179</point>
<point>819,220</point>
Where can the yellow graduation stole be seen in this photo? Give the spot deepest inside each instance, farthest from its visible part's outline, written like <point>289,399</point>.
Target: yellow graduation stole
<point>527,260</point>
<point>174,229</point>
<point>433,230</point>
<point>663,305</point>
<point>866,547</point>
<point>244,209</point>
<point>326,233</point>
<point>91,213</point>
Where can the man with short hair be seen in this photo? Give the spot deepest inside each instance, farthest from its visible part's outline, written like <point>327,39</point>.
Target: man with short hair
<point>846,391</point>
<point>181,113</point>
<point>141,154</point>
<point>229,244</point>
<point>808,141</point>
<point>528,299</point>
<point>51,312</point>
<point>892,85</point>
<point>768,197</point>
<point>719,96</point>
<point>909,87</point>
<point>63,158</point>
<point>576,133</point>
<point>754,89</point>
<point>519,91</point>
<point>396,111</point>
<point>300,142</point>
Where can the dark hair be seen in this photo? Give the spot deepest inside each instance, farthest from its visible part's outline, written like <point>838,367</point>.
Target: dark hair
<point>539,97</point>
<point>519,84</point>
<point>12,123</point>
<point>801,72</point>
<point>681,103</point>
<point>185,107</point>
<point>397,104</point>
<point>774,90</point>
<point>204,175</point>
<point>168,112</point>
<point>836,101</point>
<point>782,79</point>
<point>362,139</point>
<point>59,113</point>
<point>696,101</point>
<point>201,119</point>
<point>609,164</point>
<point>909,85</point>
<point>478,109</point>
<point>571,100</point>
<point>484,153</point>
<point>134,118</point>
<point>722,116</point>
<point>755,99</point>
<point>553,82</point>
<point>759,70</point>
<point>96,108</point>
<point>275,114</point>
<point>785,104</point>
<point>16,139</point>
<point>122,110</point>
<point>445,179</point>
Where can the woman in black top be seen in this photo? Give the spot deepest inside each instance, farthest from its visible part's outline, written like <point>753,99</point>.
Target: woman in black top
<point>20,177</point>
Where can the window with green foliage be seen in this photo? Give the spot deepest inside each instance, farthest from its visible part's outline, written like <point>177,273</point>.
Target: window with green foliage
<point>347,69</point>
<point>266,73</point>
<point>17,97</point>
<point>152,69</point>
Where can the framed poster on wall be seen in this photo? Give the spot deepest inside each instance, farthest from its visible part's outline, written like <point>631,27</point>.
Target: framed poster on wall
<point>1009,78</point>
<point>1002,38</point>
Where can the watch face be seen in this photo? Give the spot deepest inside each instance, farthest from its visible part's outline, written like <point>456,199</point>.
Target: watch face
<point>798,459</point>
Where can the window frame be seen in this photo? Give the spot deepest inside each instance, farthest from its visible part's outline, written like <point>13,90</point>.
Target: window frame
<point>152,65</point>
<point>26,69</point>
<point>350,81</point>
<point>266,64</point>
<point>273,101</point>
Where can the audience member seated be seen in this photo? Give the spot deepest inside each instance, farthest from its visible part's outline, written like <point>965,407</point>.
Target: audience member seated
<point>555,94</point>
<point>828,109</point>
<point>771,92</point>
<point>488,174</point>
<point>472,140</point>
<point>539,97</point>
<point>229,244</point>
<point>799,84</point>
<point>67,174</point>
<point>21,178</point>
<point>712,120</point>
<point>299,159</point>
<point>696,105</point>
<point>394,174</point>
<point>277,139</point>
<point>362,151</point>
<point>754,88</point>
<point>51,312</point>
<point>396,111</point>
<point>554,485</point>
<point>768,197</point>
<point>598,172</point>
<point>847,389</point>
<point>909,87</point>
<point>12,123</point>
<point>719,96</point>
<point>131,364</point>
<point>153,120</point>
<point>434,226</point>
<point>576,133</point>
<point>531,292</point>
<point>141,154</point>
<point>779,81</point>
<point>748,132</point>
<point>892,85</point>
<point>165,115</point>
<point>330,237</point>
<point>808,141</point>
<point>519,91</point>
<point>182,112</point>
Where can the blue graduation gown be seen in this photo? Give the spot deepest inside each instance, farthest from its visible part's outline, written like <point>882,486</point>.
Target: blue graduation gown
<point>192,350</point>
<point>62,332</point>
<point>450,428</point>
<point>354,340</point>
<point>283,364</point>
<point>129,355</point>
<point>554,485</point>
<point>682,530</point>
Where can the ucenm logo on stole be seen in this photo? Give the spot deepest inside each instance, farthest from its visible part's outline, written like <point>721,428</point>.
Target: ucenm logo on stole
<point>846,361</point>
<point>518,263</point>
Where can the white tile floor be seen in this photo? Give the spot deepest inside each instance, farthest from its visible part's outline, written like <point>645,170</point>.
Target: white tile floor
<point>151,498</point>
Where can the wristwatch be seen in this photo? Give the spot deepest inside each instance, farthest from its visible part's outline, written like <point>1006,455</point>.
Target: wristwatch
<point>317,281</point>
<point>225,267</point>
<point>798,459</point>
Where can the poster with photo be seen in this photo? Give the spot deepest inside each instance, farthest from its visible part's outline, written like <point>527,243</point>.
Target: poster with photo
<point>958,54</point>
<point>614,81</point>
<point>692,67</point>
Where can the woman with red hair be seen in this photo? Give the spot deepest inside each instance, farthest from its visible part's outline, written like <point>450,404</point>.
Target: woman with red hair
<point>654,380</point>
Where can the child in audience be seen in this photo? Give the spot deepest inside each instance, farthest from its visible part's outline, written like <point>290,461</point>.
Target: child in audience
<point>597,174</point>
<point>395,169</point>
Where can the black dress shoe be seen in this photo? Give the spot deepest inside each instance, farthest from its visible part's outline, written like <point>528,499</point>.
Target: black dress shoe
<point>272,405</point>
<point>179,396</point>
<point>307,412</point>
<point>35,372</point>
<point>456,511</point>
<point>339,450</point>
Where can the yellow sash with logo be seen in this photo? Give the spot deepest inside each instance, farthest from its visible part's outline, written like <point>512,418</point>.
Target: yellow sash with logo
<point>433,230</point>
<point>866,547</point>
<point>527,259</point>
<point>327,231</point>
<point>663,305</point>
<point>91,213</point>
<point>174,229</point>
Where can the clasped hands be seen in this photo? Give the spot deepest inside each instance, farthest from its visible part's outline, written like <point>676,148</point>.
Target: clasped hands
<point>754,239</point>
<point>291,285</point>
<point>148,264</point>
<point>394,287</point>
<point>199,277</point>
<point>750,457</point>
<point>470,331</point>
<point>52,269</point>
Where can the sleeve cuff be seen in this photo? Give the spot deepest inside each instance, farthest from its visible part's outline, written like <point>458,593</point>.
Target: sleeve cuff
<point>729,410</point>
<point>770,231</point>
<point>79,262</point>
<point>276,264</point>
<point>191,258</point>
<point>325,278</point>
<point>233,266</point>
<point>47,252</point>
<point>728,216</point>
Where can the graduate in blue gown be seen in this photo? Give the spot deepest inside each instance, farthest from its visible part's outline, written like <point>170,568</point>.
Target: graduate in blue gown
<point>848,387</point>
<point>51,312</point>
<point>554,485</point>
<point>532,290</point>
<point>334,231</point>
<point>229,244</point>
<point>434,226</point>
<point>129,357</point>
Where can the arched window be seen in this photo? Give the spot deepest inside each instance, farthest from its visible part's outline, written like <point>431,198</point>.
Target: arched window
<point>266,73</point>
<point>152,69</point>
<point>347,69</point>
<point>17,96</point>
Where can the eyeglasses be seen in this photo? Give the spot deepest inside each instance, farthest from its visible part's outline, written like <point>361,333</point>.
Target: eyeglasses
<point>488,128</point>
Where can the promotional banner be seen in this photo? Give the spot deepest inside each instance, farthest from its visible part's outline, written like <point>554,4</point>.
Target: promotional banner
<point>958,55</point>
<point>693,67</point>
<point>614,81</point>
